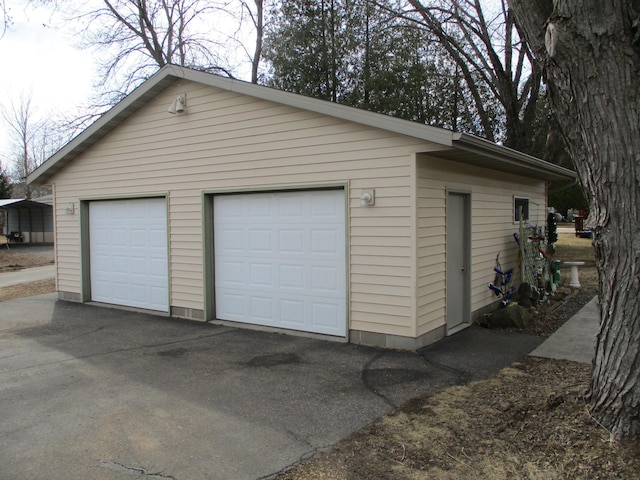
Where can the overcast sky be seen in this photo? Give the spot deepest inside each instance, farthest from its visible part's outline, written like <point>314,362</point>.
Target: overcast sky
<point>41,60</point>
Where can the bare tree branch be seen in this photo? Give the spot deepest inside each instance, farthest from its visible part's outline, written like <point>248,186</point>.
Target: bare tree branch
<point>484,48</point>
<point>136,37</point>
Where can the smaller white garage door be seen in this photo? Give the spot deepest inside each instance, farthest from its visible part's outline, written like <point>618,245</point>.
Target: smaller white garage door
<point>280,260</point>
<point>128,253</point>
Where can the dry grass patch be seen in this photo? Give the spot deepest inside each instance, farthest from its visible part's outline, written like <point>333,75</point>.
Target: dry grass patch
<point>529,421</point>
<point>27,289</point>
<point>17,258</point>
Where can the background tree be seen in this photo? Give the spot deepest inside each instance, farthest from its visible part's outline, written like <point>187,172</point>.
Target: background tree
<point>458,64</point>
<point>5,192</point>
<point>19,118</point>
<point>136,37</point>
<point>304,44</point>
<point>365,55</point>
<point>33,139</point>
<point>256,12</point>
<point>5,18</point>
<point>5,184</point>
<point>483,41</point>
<point>590,53</point>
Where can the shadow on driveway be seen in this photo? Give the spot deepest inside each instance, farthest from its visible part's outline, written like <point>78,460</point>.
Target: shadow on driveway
<point>90,392</point>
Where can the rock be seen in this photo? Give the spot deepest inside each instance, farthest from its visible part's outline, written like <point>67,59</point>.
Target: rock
<point>514,315</point>
<point>523,295</point>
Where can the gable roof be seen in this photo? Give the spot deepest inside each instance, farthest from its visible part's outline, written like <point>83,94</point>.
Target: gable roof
<point>455,146</point>
<point>21,203</point>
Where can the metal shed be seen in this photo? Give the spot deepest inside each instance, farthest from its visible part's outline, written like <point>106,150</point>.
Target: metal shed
<point>27,221</point>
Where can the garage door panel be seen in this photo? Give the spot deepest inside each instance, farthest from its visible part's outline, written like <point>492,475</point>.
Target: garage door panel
<point>326,242</point>
<point>260,241</point>
<point>231,240</point>
<point>324,314</point>
<point>291,242</point>
<point>280,260</point>
<point>234,276</point>
<point>326,280</point>
<point>262,308</point>
<point>128,252</point>
<point>292,313</point>
<point>291,277</point>
<point>231,304</point>
<point>261,276</point>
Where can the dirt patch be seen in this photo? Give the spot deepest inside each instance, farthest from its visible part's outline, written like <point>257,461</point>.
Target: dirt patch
<point>27,289</point>
<point>25,256</point>
<point>18,257</point>
<point>529,421</point>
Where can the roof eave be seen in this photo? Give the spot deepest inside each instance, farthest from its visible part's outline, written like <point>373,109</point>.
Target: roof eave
<point>452,145</point>
<point>505,158</point>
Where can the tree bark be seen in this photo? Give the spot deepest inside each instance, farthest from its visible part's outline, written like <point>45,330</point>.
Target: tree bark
<point>590,53</point>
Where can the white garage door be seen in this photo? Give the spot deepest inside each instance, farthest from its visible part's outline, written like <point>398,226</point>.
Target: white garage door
<point>128,252</point>
<point>280,260</point>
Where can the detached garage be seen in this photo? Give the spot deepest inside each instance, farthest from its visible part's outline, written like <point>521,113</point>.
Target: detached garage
<point>211,199</point>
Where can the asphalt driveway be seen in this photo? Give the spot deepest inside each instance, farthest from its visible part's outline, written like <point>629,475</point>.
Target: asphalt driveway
<point>89,392</point>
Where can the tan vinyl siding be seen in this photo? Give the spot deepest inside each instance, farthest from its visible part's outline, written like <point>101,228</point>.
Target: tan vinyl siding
<point>492,229</point>
<point>229,142</point>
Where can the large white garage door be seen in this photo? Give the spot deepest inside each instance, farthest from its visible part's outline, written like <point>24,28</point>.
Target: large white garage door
<point>128,252</point>
<point>280,260</point>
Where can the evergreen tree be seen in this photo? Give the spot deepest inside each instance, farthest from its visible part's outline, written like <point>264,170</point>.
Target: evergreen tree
<point>5,185</point>
<point>362,54</point>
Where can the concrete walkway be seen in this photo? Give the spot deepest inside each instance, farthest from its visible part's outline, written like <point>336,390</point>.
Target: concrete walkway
<point>26,275</point>
<point>575,340</point>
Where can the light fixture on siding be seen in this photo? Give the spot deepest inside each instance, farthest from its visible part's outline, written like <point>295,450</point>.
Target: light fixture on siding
<point>178,105</point>
<point>368,198</point>
<point>69,209</point>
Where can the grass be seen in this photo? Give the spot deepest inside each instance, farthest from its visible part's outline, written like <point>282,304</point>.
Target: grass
<point>570,248</point>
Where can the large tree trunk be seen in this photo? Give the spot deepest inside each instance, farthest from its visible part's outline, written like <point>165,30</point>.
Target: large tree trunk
<point>590,52</point>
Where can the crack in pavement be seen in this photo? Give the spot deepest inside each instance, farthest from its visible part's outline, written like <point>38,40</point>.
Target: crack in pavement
<point>138,472</point>
<point>15,355</point>
<point>83,334</point>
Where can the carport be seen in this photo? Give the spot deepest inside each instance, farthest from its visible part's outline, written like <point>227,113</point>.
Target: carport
<point>27,221</point>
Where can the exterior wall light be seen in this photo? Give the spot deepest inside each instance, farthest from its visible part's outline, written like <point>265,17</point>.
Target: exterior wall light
<point>178,105</point>
<point>367,199</point>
